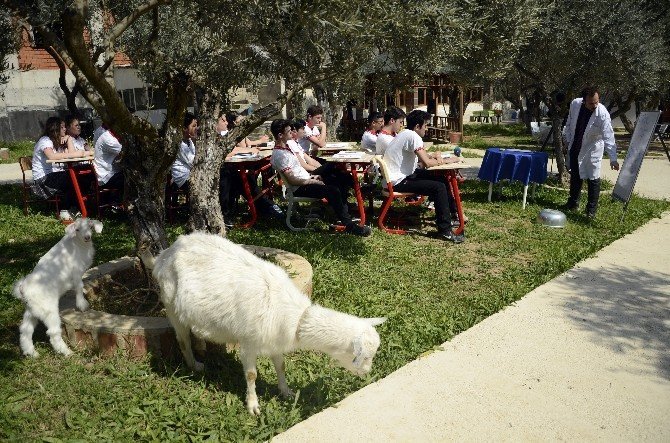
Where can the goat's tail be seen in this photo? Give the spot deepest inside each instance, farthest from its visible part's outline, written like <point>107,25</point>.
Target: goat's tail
<point>17,290</point>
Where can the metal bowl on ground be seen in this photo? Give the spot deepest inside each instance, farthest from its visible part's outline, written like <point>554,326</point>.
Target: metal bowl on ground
<point>551,218</point>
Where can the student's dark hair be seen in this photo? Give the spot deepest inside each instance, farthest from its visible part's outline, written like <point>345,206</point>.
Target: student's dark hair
<point>589,91</point>
<point>374,116</point>
<point>417,117</point>
<point>278,126</point>
<point>314,110</point>
<point>52,130</point>
<point>298,124</point>
<point>188,118</point>
<point>230,118</point>
<point>70,118</point>
<point>393,112</point>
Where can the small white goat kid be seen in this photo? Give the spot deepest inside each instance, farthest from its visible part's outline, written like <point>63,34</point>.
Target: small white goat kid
<point>225,294</point>
<point>58,271</point>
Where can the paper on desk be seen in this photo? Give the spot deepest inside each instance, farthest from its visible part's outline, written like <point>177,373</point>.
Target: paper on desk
<point>348,154</point>
<point>446,154</point>
<point>336,145</point>
<point>244,155</point>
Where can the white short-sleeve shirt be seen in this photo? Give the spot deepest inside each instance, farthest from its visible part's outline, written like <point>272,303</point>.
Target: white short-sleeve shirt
<point>284,160</point>
<point>40,166</point>
<point>369,141</point>
<point>304,142</point>
<point>382,143</point>
<point>181,168</point>
<point>106,148</point>
<point>79,143</point>
<point>400,156</point>
<point>296,148</point>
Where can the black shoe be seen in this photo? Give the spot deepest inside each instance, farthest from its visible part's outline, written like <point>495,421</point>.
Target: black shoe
<point>591,215</point>
<point>569,207</point>
<point>274,211</point>
<point>450,236</point>
<point>356,229</point>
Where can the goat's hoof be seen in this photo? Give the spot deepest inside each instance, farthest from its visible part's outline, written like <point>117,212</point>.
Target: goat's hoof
<point>31,354</point>
<point>287,392</point>
<point>254,408</point>
<point>83,306</point>
<point>198,366</point>
<point>66,352</point>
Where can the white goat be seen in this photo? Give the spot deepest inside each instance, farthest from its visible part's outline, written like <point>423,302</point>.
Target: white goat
<point>58,271</point>
<point>225,294</point>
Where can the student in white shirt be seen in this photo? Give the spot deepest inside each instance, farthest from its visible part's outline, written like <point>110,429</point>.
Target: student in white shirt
<point>50,179</point>
<point>315,130</point>
<point>369,139</point>
<point>394,119</point>
<point>107,160</point>
<point>181,168</point>
<point>304,184</point>
<point>403,156</point>
<point>74,130</point>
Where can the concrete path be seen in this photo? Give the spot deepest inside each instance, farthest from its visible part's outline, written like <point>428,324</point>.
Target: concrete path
<point>584,357</point>
<point>11,173</point>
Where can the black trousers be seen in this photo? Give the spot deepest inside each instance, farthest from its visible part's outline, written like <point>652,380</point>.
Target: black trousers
<point>231,188</point>
<point>593,186</point>
<point>336,199</point>
<point>60,180</point>
<point>424,183</point>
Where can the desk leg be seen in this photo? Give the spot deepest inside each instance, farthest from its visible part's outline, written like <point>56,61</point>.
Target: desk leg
<point>357,193</point>
<point>456,194</point>
<point>525,194</point>
<point>667,153</point>
<point>490,190</point>
<point>77,191</point>
<point>250,199</point>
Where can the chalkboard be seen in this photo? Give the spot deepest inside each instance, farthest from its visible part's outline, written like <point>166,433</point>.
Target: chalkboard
<point>639,143</point>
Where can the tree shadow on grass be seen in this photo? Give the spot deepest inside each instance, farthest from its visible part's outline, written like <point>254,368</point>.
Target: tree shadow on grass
<point>625,310</point>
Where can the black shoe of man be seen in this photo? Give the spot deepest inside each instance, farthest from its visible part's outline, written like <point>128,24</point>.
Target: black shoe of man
<point>450,236</point>
<point>356,229</point>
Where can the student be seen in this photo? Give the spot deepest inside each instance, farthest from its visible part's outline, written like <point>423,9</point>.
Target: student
<point>233,119</point>
<point>394,118</point>
<point>315,130</point>
<point>74,130</point>
<point>50,179</point>
<point>375,123</point>
<point>304,184</point>
<point>107,158</point>
<point>403,156</point>
<point>181,168</point>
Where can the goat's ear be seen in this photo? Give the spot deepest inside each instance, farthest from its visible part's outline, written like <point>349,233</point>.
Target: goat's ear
<point>70,229</point>
<point>96,225</point>
<point>375,321</point>
<point>358,352</point>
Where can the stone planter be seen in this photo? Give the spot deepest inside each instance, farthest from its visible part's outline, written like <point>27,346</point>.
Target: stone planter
<point>137,335</point>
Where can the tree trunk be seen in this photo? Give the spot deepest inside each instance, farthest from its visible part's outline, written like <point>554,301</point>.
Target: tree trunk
<point>559,149</point>
<point>629,125</point>
<point>146,163</point>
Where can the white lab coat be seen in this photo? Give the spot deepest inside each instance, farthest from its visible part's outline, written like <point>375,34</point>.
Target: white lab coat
<point>598,136</point>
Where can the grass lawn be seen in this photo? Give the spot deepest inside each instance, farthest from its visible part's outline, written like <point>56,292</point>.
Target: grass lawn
<point>17,149</point>
<point>429,290</point>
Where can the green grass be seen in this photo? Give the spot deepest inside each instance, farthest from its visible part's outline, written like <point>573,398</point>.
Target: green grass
<point>483,136</point>
<point>428,289</point>
<point>17,149</point>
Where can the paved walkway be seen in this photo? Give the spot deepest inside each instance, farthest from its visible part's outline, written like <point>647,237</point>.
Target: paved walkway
<point>584,357</point>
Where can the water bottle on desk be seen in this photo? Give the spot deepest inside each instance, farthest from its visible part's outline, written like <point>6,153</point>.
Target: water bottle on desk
<point>457,151</point>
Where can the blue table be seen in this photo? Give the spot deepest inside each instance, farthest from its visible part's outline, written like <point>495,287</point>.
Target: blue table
<point>514,164</point>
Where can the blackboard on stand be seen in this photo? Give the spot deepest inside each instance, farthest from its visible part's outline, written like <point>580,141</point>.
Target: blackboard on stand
<point>639,143</point>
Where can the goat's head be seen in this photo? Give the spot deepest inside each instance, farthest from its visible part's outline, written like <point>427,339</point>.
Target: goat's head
<point>362,349</point>
<point>83,228</point>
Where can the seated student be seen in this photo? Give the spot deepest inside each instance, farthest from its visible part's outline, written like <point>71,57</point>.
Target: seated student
<point>231,186</point>
<point>50,179</point>
<point>403,156</point>
<point>375,123</point>
<point>304,184</point>
<point>181,168</point>
<point>394,118</point>
<point>74,130</point>
<point>315,131</point>
<point>107,158</point>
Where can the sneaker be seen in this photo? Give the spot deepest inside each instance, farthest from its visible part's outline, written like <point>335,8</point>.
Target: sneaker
<point>356,229</point>
<point>569,207</point>
<point>591,215</point>
<point>275,211</point>
<point>450,236</point>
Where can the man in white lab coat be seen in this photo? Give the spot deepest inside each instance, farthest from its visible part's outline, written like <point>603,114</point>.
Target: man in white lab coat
<point>588,132</point>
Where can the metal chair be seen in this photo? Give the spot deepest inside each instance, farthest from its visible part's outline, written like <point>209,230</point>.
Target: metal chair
<point>26,164</point>
<point>292,200</point>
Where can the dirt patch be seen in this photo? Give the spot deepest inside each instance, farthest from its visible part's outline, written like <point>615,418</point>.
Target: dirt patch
<point>126,292</point>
